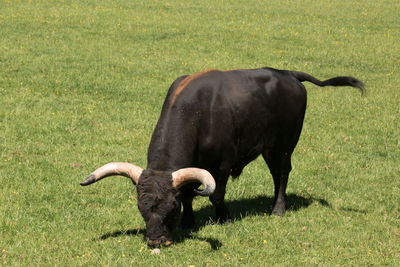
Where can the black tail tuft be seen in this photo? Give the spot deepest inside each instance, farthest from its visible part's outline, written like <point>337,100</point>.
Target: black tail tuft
<point>337,81</point>
<point>346,81</point>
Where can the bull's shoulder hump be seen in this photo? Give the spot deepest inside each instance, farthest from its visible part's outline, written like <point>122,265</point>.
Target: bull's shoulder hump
<point>184,82</point>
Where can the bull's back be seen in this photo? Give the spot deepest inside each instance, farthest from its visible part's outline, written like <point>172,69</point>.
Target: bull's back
<point>233,115</point>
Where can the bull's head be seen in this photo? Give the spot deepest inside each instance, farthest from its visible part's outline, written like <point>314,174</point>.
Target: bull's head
<point>158,194</point>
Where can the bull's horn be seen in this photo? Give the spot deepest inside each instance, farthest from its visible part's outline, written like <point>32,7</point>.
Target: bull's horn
<point>114,168</point>
<point>188,175</point>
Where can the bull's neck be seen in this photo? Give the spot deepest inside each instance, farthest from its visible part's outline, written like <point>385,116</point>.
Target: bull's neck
<point>173,144</point>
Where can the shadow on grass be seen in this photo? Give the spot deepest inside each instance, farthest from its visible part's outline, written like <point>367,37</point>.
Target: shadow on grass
<point>353,210</point>
<point>121,232</point>
<point>239,209</point>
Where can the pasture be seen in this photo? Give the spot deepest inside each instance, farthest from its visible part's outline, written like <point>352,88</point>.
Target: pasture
<point>82,84</point>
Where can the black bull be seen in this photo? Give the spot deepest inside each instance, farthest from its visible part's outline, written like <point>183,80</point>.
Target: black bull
<point>212,124</point>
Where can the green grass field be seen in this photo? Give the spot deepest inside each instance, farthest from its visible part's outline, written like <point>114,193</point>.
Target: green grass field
<point>82,84</point>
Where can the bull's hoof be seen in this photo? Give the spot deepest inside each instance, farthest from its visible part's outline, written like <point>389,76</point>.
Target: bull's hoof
<point>278,211</point>
<point>278,208</point>
<point>222,220</point>
<point>228,220</point>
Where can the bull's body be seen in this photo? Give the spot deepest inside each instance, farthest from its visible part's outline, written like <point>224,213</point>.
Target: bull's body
<point>220,121</point>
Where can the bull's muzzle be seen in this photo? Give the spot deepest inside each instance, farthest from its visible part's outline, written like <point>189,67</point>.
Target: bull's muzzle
<point>155,243</point>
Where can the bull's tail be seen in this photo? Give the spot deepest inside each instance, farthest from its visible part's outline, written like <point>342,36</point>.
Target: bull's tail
<point>337,81</point>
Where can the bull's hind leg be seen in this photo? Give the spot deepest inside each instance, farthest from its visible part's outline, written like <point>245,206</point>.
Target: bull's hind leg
<point>279,164</point>
<point>279,157</point>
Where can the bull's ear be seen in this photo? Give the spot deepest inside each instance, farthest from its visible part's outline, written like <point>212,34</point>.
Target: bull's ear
<point>114,168</point>
<point>190,175</point>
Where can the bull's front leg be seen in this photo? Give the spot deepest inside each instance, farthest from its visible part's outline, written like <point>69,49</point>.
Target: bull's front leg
<point>217,199</point>
<point>187,220</point>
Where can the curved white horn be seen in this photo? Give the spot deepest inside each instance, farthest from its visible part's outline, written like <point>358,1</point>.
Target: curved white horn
<point>114,168</point>
<point>188,175</point>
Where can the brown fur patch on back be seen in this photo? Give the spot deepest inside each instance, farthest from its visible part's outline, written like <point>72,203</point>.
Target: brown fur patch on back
<point>183,84</point>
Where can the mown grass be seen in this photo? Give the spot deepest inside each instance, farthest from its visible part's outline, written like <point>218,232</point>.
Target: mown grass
<point>82,84</point>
